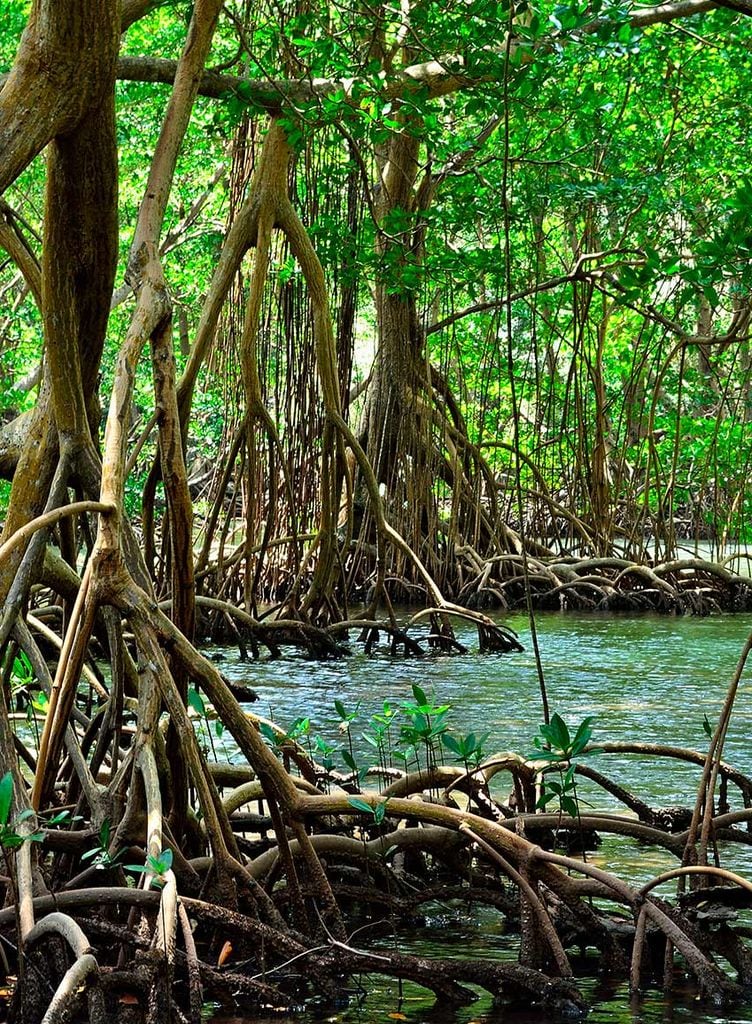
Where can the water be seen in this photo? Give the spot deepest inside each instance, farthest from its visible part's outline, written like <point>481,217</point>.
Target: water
<point>650,679</point>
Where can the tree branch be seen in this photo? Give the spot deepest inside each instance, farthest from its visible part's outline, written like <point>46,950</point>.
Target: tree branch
<point>440,77</point>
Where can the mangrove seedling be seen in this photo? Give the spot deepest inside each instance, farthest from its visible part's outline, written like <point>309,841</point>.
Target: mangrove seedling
<point>557,746</point>
<point>157,866</point>
<point>378,811</point>
<point>468,750</point>
<point>346,718</point>
<point>427,726</point>
<point>100,855</point>
<point>10,837</point>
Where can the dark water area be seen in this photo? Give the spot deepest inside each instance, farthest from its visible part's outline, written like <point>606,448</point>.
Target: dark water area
<point>650,679</point>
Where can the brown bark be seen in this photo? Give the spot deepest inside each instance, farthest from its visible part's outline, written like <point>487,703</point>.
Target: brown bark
<point>61,91</point>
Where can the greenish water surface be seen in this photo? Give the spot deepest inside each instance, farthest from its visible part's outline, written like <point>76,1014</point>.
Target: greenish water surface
<point>650,678</point>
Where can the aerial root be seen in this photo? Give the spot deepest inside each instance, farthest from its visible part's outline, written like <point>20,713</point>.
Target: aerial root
<point>689,586</point>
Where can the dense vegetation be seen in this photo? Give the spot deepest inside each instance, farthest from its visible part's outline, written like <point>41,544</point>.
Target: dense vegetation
<point>307,310</point>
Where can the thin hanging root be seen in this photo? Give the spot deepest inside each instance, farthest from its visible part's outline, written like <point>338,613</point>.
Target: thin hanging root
<point>195,988</point>
<point>301,247</point>
<point>63,693</point>
<point>164,937</point>
<point>224,848</point>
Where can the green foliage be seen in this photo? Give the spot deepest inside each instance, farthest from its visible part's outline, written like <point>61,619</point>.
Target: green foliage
<point>467,749</point>
<point>196,701</point>
<point>100,855</point>
<point>556,745</point>
<point>325,750</point>
<point>15,15</point>
<point>10,837</point>
<point>380,734</point>
<point>21,673</point>
<point>618,141</point>
<point>269,734</point>
<point>156,866</point>
<point>565,791</point>
<point>346,717</point>
<point>377,811</point>
<point>6,797</point>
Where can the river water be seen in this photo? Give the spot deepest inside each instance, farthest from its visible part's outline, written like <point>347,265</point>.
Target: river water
<point>650,678</point>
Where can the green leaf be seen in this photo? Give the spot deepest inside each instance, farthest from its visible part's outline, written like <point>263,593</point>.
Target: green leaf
<point>11,840</point>
<point>451,744</point>
<point>161,864</point>
<point>165,860</point>
<point>582,736</point>
<point>6,797</point>
<point>546,797</point>
<point>546,755</point>
<point>349,760</point>
<point>340,709</point>
<point>569,806</point>
<point>299,727</point>
<point>59,818</point>
<point>22,671</point>
<point>379,811</point>
<point>557,732</point>
<point>196,701</point>
<point>268,733</point>
<point>360,805</point>
<point>104,834</point>
<point>420,695</point>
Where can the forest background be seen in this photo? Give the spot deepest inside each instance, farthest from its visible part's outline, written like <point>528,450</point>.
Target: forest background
<point>500,278</point>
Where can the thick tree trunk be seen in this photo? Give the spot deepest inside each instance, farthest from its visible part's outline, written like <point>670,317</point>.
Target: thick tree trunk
<point>61,91</point>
